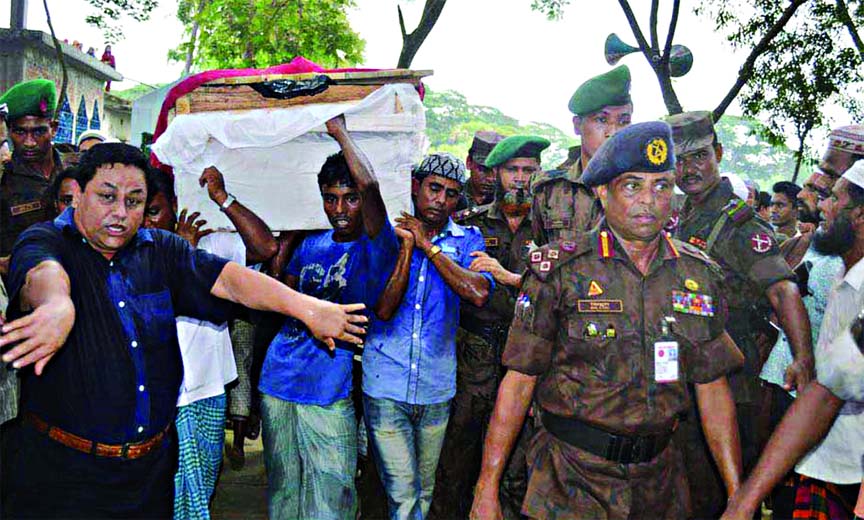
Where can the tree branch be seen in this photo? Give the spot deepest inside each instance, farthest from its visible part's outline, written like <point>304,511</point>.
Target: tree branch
<point>746,70</point>
<point>411,42</point>
<point>637,32</point>
<point>673,24</point>
<point>60,58</point>
<point>655,39</point>
<point>843,15</point>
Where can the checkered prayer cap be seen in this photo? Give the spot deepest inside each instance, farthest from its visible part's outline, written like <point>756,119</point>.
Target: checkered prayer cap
<point>849,139</point>
<point>442,164</point>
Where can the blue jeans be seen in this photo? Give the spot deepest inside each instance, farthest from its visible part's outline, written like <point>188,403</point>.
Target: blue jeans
<point>311,457</point>
<point>406,443</point>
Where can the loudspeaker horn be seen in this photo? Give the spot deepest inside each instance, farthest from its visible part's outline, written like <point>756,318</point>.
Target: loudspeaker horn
<point>616,49</point>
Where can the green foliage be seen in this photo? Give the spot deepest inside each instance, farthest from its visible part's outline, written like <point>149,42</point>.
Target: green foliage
<point>553,9</point>
<point>749,154</point>
<point>808,67</point>
<point>451,122</point>
<point>109,12</point>
<point>262,33</point>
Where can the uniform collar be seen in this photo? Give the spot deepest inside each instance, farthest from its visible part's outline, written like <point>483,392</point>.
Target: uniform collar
<point>452,229</point>
<point>65,222</point>
<point>19,167</point>
<point>606,245</point>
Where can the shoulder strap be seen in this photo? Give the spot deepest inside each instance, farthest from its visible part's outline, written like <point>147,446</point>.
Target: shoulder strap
<point>715,232</point>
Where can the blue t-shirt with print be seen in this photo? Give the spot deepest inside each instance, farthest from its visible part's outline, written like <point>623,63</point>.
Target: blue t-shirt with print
<point>299,368</point>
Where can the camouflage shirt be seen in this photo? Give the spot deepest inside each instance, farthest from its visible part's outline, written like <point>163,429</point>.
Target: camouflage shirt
<point>483,330</point>
<point>587,321</point>
<point>747,251</point>
<point>25,199</point>
<point>563,208</point>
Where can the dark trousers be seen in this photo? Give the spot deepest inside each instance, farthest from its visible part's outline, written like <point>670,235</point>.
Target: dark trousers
<point>53,481</point>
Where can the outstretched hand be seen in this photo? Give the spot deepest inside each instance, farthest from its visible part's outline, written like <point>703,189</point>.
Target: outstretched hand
<point>331,321</point>
<point>191,228</point>
<point>336,126</point>
<point>39,335</point>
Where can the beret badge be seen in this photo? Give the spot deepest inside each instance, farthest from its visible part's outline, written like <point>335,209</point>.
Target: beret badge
<point>656,151</point>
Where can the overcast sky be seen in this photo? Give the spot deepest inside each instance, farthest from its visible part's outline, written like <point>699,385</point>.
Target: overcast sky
<point>496,52</point>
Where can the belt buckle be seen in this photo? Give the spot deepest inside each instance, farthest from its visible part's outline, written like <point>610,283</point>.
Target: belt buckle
<point>124,451</point>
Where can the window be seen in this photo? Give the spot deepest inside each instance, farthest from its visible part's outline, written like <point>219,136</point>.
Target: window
<point>81,118</point>
<point>95,123</point>
<point>66,120</point>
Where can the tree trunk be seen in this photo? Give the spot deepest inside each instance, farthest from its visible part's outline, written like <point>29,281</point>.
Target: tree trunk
<point>802,138</point>
<point>411,42</point>
<point>652,52</point>
<point>190,52</point>
<point>62,98</point>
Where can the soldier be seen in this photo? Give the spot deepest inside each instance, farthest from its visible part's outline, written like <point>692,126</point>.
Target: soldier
<point>608,331</point>
<point>480,188</point>
<point>506,228</point>
<point>758,280</point>
<point>25,194</point>
<point>563,206</point>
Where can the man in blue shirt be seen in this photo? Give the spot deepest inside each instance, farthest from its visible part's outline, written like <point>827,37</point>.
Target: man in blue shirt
<point>93,305</point>
<point>409,362</point>
<point>310,431</point>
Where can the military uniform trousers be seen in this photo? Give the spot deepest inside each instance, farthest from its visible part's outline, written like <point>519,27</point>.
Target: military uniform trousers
<point>567,482</point>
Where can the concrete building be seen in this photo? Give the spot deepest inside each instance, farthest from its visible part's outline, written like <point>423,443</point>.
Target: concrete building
<point>27,54</point>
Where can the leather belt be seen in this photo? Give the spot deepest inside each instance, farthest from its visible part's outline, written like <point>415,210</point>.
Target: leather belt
<point>128,451</point>
<point>623,449</point>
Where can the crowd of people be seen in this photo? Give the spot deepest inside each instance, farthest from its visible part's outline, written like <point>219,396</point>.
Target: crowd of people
<point>630,335</point>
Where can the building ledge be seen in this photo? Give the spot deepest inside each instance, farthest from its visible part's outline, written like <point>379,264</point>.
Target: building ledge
<point>10,38</point>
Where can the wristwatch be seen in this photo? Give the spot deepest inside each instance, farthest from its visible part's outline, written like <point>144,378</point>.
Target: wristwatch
<point>228,201</point>
<point>434,250</point>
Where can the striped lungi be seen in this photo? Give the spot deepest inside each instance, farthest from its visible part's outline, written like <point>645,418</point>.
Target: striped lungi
<point>200,435</point>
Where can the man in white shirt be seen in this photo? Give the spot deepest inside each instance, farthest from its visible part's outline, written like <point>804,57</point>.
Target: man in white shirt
<point>208,359</point>
<point>833,470</point>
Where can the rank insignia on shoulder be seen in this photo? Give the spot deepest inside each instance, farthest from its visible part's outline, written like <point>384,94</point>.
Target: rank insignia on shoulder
<point>594,289</point>
<point>491,241</point>
<point>536,256</point>
<point>701,243</point>
<point>599,306</point>
<point>553,254</point>
<point>761,242</point>
<point>738,211</point>
<point>692,303</point>
<point>545,266</point>
<point>691,284</point>
<point>605,245</point>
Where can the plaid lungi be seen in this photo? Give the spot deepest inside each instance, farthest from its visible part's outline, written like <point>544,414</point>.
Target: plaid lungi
<point>200,435</point>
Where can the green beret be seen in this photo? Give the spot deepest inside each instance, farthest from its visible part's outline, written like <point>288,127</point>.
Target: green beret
<point>605,90</point>
<point>515,147</point>
<point>37,97</point>
<point>691,130</point>
<point>643,147</point>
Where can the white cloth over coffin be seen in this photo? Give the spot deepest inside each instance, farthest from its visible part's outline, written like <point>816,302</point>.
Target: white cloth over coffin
<point>271,157</point>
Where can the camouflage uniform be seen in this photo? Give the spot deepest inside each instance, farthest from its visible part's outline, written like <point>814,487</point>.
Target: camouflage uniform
<point>479,342</point>
<point>746,249</point>
<point>586,324</point>
<point>563,208</point>
<point>25,199</point>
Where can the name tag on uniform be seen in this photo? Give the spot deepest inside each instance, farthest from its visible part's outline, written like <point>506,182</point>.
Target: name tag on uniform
<point>599,306</point>
<point>27,207</point>
<point>666,362</point>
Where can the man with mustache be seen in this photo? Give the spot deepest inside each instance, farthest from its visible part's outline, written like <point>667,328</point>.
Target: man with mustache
<point>816,272</point>
<point>563,207</point>
<point>93,301</point>
<point>608,331</point>
<point>480,188</point>
<point>25,197</point>
<point>758,280</point>
<point>506,228</point>
<point>834,469</point>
